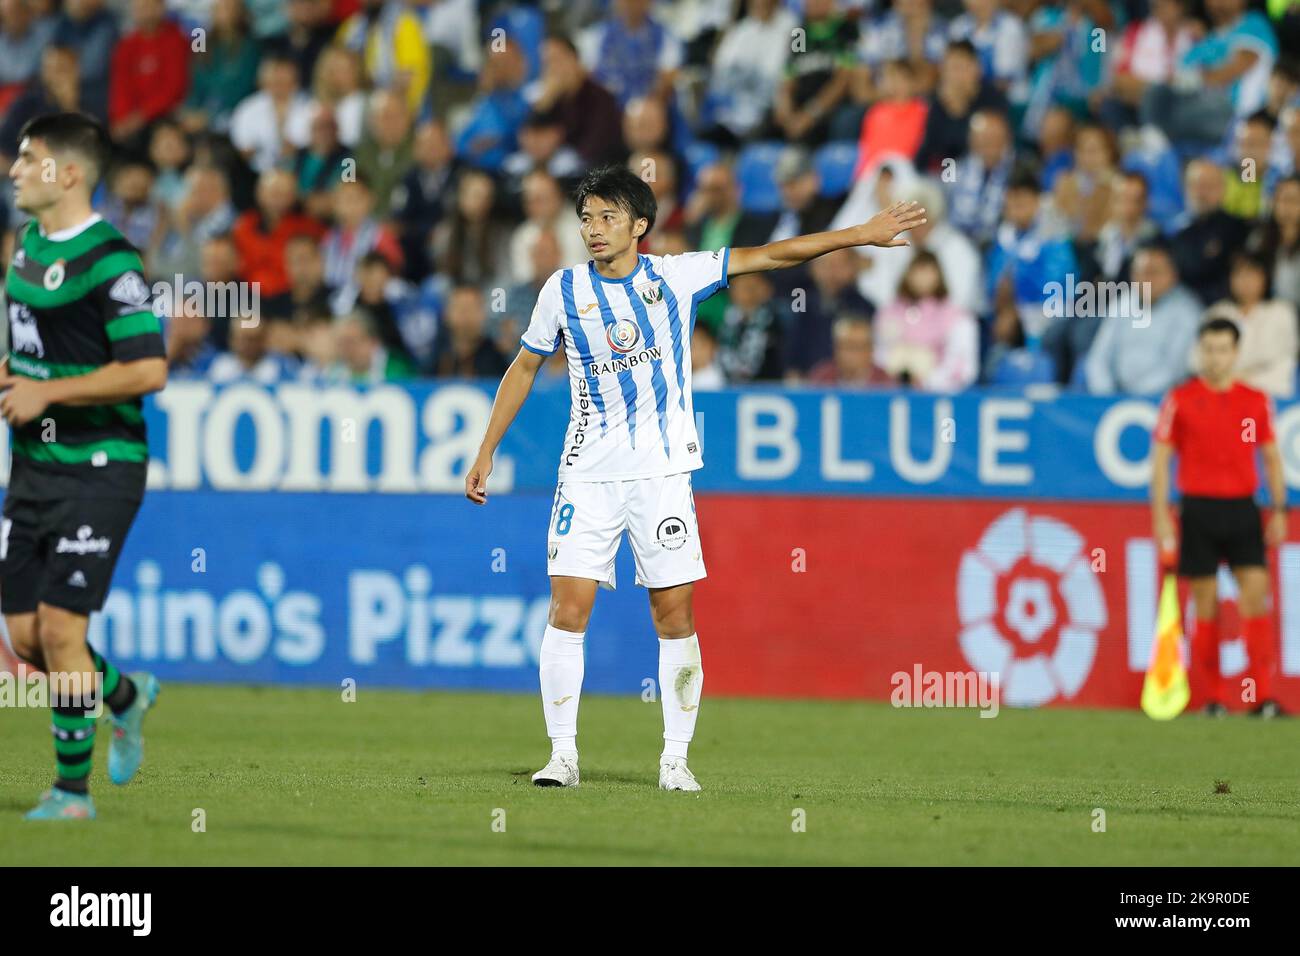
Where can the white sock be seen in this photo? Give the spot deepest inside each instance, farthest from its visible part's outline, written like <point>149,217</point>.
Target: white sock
<point>681,679</point>
<point>561,671</point>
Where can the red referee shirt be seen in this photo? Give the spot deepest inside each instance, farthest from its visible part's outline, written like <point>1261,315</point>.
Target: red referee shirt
<point>1211,433</point>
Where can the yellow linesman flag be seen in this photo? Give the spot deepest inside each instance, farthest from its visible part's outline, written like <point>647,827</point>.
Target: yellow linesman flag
<point>1165,691</point>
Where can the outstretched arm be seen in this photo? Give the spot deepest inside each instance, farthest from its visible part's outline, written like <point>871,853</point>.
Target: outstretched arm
<point>511,393</point>
<point>880,230</point>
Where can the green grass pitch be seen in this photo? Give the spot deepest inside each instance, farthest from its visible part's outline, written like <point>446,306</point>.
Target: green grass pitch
<point>301,777</point>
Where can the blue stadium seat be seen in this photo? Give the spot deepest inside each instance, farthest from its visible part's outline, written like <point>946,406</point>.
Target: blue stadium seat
<point>697,155</point>
<point>1024,367</point>
<point>1079,374</point>
<point>834,163</point>
<point>1164,183</point>
<point>527,27</point>
<point>756,174</point>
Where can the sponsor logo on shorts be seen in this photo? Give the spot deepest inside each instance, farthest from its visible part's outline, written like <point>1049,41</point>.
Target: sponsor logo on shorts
<point>671,533</point>
<point>553,550</point>
<point>85,543</point>
<point>691,447</point>
<point>77,579</point>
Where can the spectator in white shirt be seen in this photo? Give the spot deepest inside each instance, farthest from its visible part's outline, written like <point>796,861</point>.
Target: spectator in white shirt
<point>264,125</point>
<point>747,67</point>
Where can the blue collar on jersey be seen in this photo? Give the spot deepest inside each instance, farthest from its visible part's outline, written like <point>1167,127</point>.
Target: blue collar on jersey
<point>640,264</point>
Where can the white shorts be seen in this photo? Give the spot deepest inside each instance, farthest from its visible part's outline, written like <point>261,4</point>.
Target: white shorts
<point>588,519</point>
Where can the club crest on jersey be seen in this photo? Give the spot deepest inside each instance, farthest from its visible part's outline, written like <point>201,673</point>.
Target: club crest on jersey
<point>651,293</point>
<point>54,275</point>
<point>623,336</point>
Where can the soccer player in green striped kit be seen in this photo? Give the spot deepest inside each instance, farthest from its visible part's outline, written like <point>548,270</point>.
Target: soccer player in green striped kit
<point>84,346</point>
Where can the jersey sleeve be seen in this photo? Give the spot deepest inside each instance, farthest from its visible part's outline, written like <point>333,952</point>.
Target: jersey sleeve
<point>1167,424</point>
<point>133,329</point>
<point>698,274</point>
<point>543,333</point>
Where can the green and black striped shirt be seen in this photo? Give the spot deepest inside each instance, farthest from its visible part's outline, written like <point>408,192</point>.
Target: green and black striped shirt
<point>76,304</point>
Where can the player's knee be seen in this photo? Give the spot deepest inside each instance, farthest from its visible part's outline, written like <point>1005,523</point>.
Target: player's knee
<point>25,639</point>
<point>674,622</point>
<point>1253,603</point>
<point>57,630</point>
<point>569,615</point>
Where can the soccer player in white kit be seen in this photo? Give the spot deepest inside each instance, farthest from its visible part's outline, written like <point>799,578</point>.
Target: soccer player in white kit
<point>625,322</point>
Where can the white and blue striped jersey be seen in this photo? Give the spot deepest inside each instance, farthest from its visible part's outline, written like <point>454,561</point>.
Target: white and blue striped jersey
<point>628,342</point>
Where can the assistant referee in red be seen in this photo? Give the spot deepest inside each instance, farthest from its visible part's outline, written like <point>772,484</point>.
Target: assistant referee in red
<point>1216,424</point>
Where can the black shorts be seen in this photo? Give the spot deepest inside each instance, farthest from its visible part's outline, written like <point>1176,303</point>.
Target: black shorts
<point>61,552</point>
<point>1219,529</point>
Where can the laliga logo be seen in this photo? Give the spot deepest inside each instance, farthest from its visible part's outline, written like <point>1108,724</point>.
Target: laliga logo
<point>1030,608</point>
<point>623,336</point>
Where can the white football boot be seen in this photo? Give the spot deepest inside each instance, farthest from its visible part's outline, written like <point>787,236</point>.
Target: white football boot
<point>560,771</point>
<point>674,775</point>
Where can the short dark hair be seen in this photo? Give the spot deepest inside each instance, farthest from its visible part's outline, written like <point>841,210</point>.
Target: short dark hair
<point>1288,66</point>
<point>1262,117</point>
<point>964,47</point>
<point>1248,257</point>
<point>374,258</point>
<point>1220,324</point>
<point>1251,259</point>
<point>1024,176</point>
<point>542,120</point>
<point>74,133</point>
<point>1159,246</point>
<point>1135,176</point>
<point>622,187</point>
<point>558,36</point>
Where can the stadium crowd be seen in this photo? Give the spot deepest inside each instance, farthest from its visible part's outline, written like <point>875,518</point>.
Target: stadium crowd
<point>394,176</point>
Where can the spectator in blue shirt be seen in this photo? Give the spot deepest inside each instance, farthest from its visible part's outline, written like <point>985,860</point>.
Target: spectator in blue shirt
<point>1029,263</point>
<point>632,54</point>
<point>1224,75</point>
<point>497,112</point>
